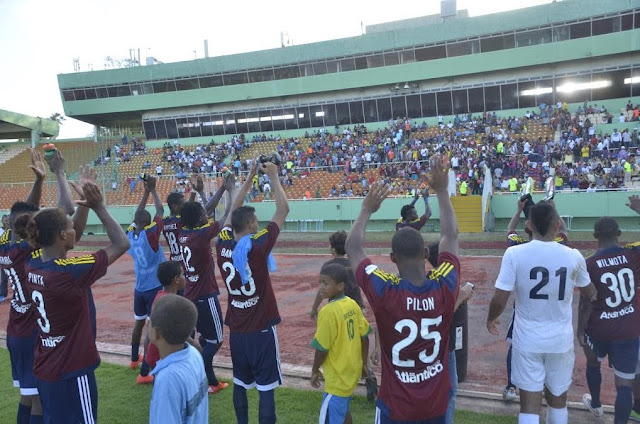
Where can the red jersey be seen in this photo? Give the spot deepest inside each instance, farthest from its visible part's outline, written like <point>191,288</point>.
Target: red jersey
<point>197,256</point>
<point>171,227</point>
<point>413,323</point>
<point>13,258</point>
<point>251,306</point>
<point>417,224</point>
<point>153,354</point>
<point>616,310</point>
<point>65,347</point>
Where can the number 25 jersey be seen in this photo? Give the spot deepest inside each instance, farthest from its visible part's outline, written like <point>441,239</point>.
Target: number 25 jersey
<point>413,323</point>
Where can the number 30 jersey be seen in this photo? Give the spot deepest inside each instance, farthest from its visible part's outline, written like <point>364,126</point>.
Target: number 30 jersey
<point>615,312</point>
<point>543,276</point>
<point>413,323</point>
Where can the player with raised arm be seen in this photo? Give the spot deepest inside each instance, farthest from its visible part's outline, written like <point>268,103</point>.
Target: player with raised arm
<point>608,324</point>
<point>413,311</point>
<point>65,354</point>
<point>244,259</point>
<point>409,216</point>
<point>144,237</point>
<point>201,287</point>
<point>543,274</point>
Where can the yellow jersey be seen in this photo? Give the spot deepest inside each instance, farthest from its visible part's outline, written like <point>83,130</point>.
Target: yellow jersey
<point>340,327</point>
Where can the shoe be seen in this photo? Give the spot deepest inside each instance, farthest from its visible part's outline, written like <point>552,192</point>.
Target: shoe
<point>509,393</point>
<point>635,416</point>
<point>134,364</point>
<point>372,387</point>
<point>215,389</point>
<point>586,399</point>
<point>550,189</point>
<point>144,379</point>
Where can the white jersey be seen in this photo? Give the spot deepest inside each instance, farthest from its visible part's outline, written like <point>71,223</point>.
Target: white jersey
<point>543,275</point>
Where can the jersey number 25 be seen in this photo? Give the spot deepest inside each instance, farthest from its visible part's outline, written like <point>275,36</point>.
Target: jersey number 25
<point>425,334</point>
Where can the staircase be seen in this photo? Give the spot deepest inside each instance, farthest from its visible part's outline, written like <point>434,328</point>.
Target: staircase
<point>12,151</point>
<point>468,211</point>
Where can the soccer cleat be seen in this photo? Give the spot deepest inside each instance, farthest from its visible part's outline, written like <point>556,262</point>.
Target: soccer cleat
<point>134,364</point>
<point>215,389</point>
<point>509,393</point>
<point>372,386</point>
<point>635,416</point>
<point>144,379</point>
<point>586,399</point>
<point>550,189</point>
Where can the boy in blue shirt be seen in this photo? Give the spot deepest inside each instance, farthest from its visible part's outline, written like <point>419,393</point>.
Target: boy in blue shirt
<point>180,390</point>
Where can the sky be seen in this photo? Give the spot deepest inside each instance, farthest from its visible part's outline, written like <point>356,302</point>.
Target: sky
<point>41,38</point>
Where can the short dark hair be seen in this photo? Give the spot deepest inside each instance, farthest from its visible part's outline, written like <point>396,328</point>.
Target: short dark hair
<point>174,199</point>
<point>407,243</point>
<point>337,241</point>
<point>43,228</point>
<point>336,272</point>
<point>167,271</point>
<point>542,215</point>
<point>142,216</point>
<point>241,217</point>
<point>174,317</point>
<point>434,251</point>
<point>406,209</point>
<point>191,214</point>
<point>19,208</point>
<point>606,229</point>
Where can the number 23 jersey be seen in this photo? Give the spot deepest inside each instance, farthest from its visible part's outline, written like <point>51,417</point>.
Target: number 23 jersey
<point>413,323</point>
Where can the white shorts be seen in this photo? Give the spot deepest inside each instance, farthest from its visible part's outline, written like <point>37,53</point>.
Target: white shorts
<point>533,371</point>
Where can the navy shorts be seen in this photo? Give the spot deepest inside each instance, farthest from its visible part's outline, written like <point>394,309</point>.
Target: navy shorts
<point>209,323</point>
<point>623,355</point>
<point>70,401</point>
<point>21,355</point>
<point>256,359</point>
<point>142,301</point>
<point>382,417</point>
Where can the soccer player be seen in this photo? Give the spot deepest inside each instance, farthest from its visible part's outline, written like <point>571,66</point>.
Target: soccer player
<point>543,274</point>
<point>341,346</point>
<point>409,216</point>
<point>413,311</point>
<point>244,259</point>
<point>65,355</point>
<point>201,287</point>
<point>608,324</point>
<point>144,237</point>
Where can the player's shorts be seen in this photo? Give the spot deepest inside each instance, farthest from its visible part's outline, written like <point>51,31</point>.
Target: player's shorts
<point>142,301</point>
<point>533,371</point>
<point>510,330</point>
<point>623,355</point>
<point>382,417</point>
<point>334,409</point>
<point>74,400</point>
<point>209,323</point>
<point>256,359</point>
<point>21,356</point>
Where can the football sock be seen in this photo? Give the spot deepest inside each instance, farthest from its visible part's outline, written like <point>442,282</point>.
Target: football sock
<point>528,419</point>
<point>557,415</point>
<point>509,382</point>
<point>623,404</point>
<point>241,404</point>
<point>36,419</point>
<point>267,408</point>
<point>144,368</point>
<point>135,347</point>
<point>24,412</point>
<point>208,352</point>
<point>636,405</point>
<point>594,379</point>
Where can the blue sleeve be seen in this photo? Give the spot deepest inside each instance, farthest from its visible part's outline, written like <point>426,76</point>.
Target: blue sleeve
<point>374,281</point>
<point>166,405</point>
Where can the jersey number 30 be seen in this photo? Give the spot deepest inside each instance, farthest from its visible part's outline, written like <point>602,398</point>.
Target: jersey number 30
<point>425,334</point>
<point>622,288</point>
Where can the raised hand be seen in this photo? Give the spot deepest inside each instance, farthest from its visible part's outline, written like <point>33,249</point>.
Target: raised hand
<point>150,183</point>
<point>92,194</point>
<point>269,168</point>
<point>634,203</point>
<point>37,165</point>
<point>229,182</point>
<point>439,179</point>
<point>379,191</point>
<point>254,167</point>
<point>56,163</point>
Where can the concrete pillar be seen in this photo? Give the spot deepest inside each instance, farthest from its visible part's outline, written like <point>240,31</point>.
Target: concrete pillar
<point>95,133</point>
<point>34,138</point>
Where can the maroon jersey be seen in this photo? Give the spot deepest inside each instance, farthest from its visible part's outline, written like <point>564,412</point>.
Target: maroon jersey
<point>171,226</point>
<point>513,239</point>
<point>616,311</point>
<point>413,323</point>
<point>65,347</point>
<point>252,306</point>
<point>197,257</point>
<point>13,258</point>
<point>416,224</point>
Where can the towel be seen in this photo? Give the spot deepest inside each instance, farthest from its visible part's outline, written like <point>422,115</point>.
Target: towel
<point>240,258</point>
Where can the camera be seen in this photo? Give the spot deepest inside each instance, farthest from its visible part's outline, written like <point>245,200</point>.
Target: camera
<point>270,157</point>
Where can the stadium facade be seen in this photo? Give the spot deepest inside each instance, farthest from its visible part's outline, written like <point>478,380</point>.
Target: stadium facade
<point>568,51</point>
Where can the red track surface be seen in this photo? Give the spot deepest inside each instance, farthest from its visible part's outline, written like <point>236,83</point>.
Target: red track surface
<point>295,286</point>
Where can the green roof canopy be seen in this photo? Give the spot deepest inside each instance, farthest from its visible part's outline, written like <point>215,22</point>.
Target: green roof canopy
<point>16,125</point>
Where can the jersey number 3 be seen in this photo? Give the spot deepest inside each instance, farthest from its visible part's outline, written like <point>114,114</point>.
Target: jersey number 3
<point>425,334</point>
<point>43,321</point>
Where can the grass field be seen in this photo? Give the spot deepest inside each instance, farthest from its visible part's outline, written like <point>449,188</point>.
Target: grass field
<point>122,402</point>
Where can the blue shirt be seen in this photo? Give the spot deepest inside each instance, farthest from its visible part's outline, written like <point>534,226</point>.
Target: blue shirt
<point>147,254</point>
<point>180,389</point>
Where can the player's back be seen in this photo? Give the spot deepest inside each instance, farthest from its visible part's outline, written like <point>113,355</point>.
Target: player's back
<point>197,257</point>
<point>171,227</point>
<point>543,276</point>
<point>615,313</point>
<point>145,258</point>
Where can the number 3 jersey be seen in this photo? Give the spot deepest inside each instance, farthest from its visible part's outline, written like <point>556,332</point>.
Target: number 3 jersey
<point>413,323</point>
<point>615,312</point>
<point>252,306</point>
<point>65,347</point>
<point>543,276</point>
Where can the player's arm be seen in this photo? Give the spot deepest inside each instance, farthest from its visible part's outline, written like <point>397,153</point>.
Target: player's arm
<point>513,224</point>
<point>364,341</point>
<point>496,308</point>
<point>587,296</point>
<point>464,295</point>
<point>316,302</point>
<point>439,182</point>
<point>80,216</point>
<point>427,207</point>
<point>505,284</point>
<point>282,206</point>
<point>415,197</point>
<point>150,188</point>
<point>634,203</point>
<point>145,193</point>
<point>56,165</point>
<point>242,192</point>
<point>210,205</point>
<point>354,245</point>
<point>37,166</point>
<point>230,186</point>
<point>197,186</point>
<point>316,375</point>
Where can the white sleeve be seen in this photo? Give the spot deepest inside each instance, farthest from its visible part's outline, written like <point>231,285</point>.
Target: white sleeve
<point>507,277</point>
<point>582,275</point>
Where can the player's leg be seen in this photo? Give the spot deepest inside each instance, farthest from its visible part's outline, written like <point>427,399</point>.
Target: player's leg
<point>635,412</point>
<point>558,371</point>
<point>528,373</point>
<point>594,377</point>
<point>453,375</point>
<point>209,325</point>
<point>21,355</point>
<point>509,392</point>
<point>623,355</point>
<point>143,377</point>
<point>335,409</point>
<point>140,315</point>
<point>241,346</point>
<point>265,363</point>
<point>70,401</point>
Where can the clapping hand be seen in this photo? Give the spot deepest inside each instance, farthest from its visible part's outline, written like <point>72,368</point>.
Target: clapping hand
<point>85,173</point>
<point>376,195</point>
<point>37,165</point>
<point>92,194</point>
<point>439,179</point>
